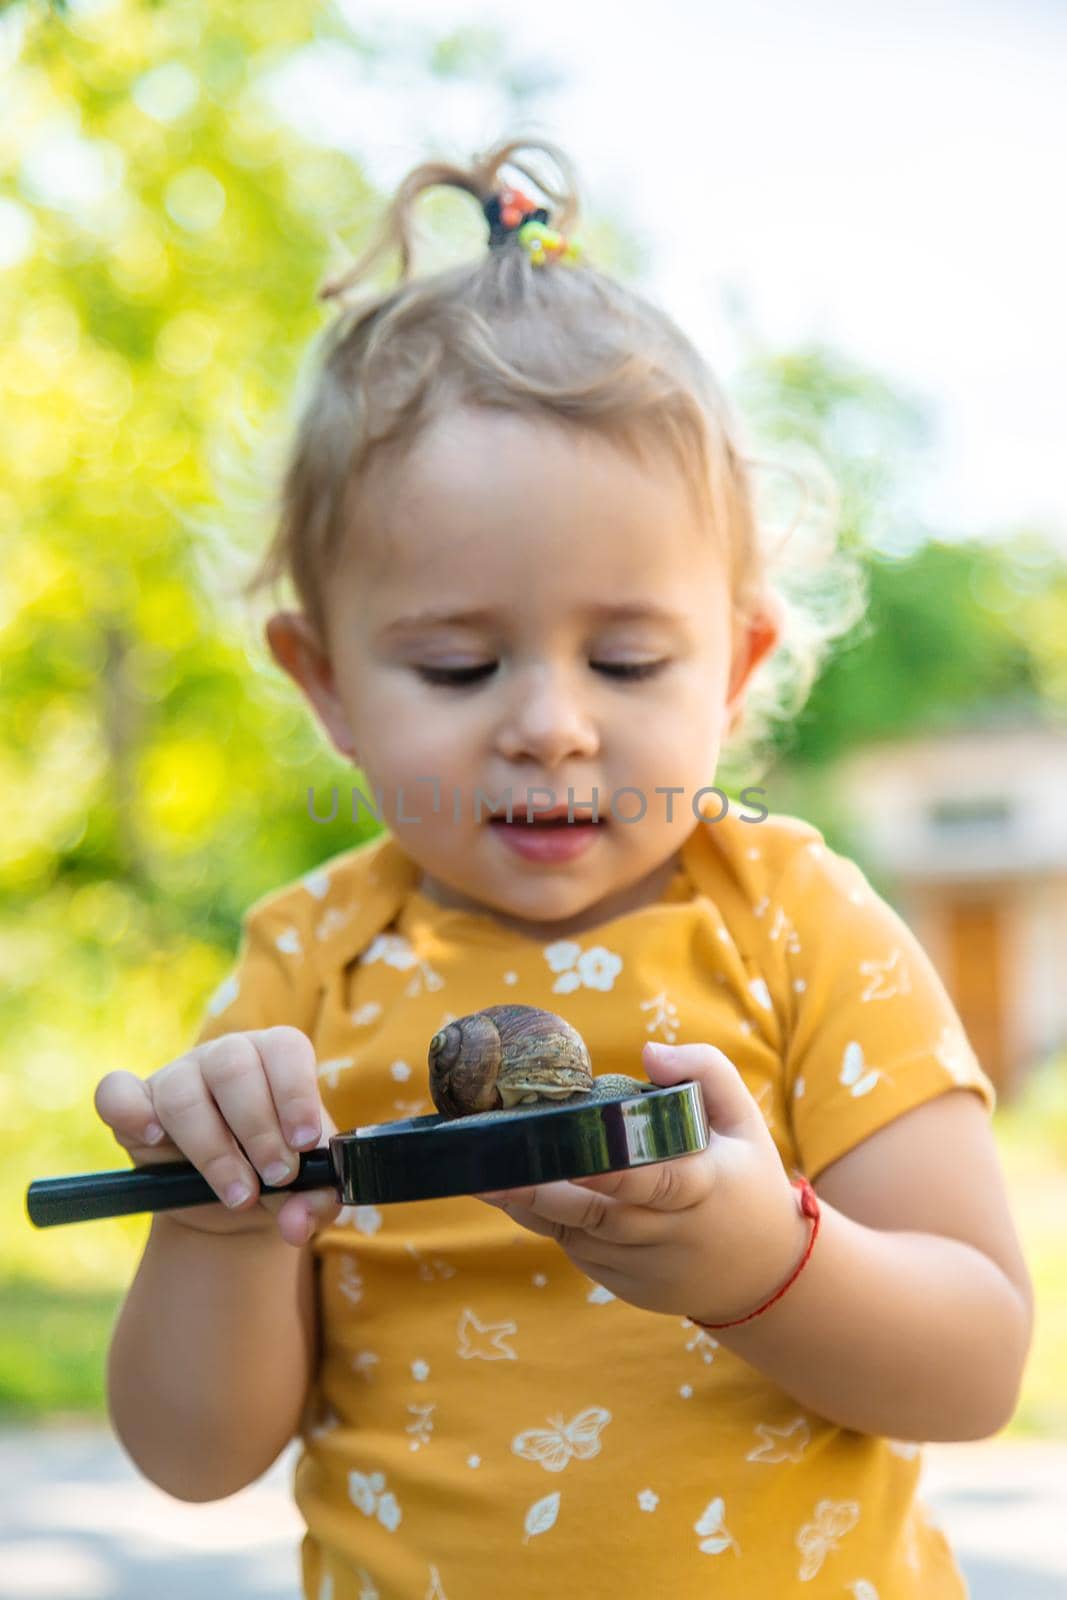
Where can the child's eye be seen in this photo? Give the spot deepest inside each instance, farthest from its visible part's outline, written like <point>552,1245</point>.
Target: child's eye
<point>458,677</point>
<point>455,677</point>
<point>628,669</point>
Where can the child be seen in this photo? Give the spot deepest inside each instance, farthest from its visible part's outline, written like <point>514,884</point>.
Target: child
<point>528,566</point>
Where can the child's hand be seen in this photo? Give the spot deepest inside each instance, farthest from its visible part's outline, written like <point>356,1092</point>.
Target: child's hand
<point>242,1092</point>
<point>709,1235</point>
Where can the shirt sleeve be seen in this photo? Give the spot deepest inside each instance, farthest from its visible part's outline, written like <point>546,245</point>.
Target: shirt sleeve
<point>870,1028</point>
<point>273,980</point>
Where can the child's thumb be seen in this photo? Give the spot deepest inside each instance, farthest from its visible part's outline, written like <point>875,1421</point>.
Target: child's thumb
<point>304,1214</point>
<point>729,1105</point>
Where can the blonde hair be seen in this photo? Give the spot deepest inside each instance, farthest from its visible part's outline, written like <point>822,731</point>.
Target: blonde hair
<point>563,341</point>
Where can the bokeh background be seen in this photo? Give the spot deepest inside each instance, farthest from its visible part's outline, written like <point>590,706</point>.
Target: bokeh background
<point>854,211</point>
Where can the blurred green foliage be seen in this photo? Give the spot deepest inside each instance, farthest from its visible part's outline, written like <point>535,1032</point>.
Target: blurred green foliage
<point>158,767</point>
<point>156,764</point>
<point>952,625</point>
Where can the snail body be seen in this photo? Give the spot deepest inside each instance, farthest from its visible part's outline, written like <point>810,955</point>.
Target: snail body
<point>507,1056</point>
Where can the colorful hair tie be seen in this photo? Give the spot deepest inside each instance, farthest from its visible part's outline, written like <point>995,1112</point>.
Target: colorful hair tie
<point>511,212</point>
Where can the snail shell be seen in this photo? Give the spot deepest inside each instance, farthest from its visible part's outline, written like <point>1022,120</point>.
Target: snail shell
<point>505,1056</point>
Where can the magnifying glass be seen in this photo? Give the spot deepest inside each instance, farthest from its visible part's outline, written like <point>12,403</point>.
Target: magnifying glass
<point>621,1123</point>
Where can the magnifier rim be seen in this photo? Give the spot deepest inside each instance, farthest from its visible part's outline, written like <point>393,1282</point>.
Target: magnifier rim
<point>406,1161</point>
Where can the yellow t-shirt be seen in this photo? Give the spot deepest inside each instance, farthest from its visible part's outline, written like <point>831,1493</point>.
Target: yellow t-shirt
<point>486,1420</point>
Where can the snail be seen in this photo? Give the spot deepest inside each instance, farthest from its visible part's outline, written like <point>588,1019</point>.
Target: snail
<point>509,1056</point>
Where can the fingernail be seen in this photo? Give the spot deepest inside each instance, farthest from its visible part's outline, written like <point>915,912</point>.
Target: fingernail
<point>153,1133</point>
<point>237,1194</point>
<point>304,1136</point>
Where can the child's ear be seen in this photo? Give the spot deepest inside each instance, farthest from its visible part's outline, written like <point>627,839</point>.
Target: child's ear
<point>758,637</point>
<point>295,647</point>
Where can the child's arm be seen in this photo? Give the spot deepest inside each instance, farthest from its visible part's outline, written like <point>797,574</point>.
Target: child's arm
<point>913,1318</point>
<point>211,1357</point>
<point>214,1349</point>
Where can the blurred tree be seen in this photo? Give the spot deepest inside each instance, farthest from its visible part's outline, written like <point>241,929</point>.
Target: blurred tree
<point>950,623</point>
<point>164,229</point>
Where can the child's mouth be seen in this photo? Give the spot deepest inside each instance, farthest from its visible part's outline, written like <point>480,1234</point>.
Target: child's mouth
<point>547,838</point>
<point>548,822</point>
<point>559,817</point>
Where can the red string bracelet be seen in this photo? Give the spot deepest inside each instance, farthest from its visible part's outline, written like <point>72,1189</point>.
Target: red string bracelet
<point>808,1202</point>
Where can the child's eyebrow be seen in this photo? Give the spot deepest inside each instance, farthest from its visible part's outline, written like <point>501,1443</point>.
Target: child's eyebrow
<point>597,610</point>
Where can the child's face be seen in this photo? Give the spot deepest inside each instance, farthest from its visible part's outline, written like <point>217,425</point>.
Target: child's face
<point>548,533</point>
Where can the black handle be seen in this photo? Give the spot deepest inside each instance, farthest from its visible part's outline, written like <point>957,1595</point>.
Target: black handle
<point>161,1186</point>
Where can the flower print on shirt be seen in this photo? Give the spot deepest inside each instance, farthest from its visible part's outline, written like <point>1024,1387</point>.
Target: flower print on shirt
<point>782,928</point>
<point>715,1537</point>
<point>429,1270</point>
<point>664,1016</point>
<point>422,1426</point>
<point>392,948</point>
<point>403,1290</point>
<point>366,1493</point>
<point>396,951</point>
<point>594,969</point>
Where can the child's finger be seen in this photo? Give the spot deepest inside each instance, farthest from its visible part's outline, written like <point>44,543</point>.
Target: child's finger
<point>303,1214</point>
<point>122,1101</point>
<point>730,1108</point>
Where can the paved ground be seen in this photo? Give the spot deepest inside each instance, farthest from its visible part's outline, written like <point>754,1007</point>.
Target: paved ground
<point>78,1522</point>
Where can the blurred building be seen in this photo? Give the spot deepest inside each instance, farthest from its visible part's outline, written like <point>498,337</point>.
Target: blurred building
<point>965,832</point>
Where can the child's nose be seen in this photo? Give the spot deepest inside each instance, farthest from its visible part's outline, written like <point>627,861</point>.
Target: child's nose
<point>547,721</point>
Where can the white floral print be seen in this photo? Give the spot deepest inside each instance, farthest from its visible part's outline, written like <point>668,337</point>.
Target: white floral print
<point>715,1537</point>
<point>664,1018</point>
<point>392,948</point>
<point>595,969</point>
<point>366,1494</point>
<point>423,1329</point>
